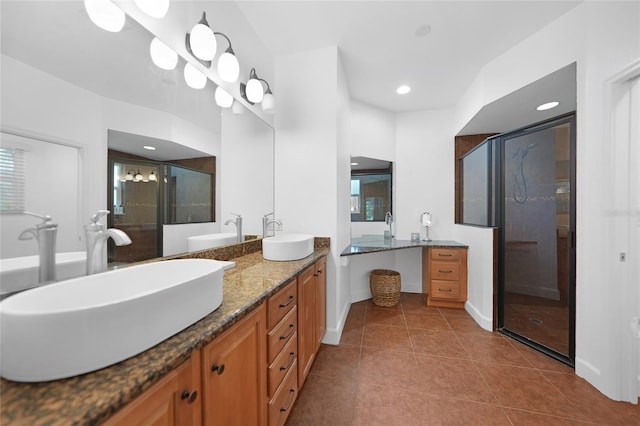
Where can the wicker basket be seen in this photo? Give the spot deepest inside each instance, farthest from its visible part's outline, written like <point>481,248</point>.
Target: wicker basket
<point>385,287</point>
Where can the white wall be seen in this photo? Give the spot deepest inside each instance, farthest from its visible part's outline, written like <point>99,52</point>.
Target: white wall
<point>174,237</point>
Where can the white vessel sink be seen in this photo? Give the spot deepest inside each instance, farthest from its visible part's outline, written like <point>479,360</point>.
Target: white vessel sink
<point>207,241</point>
<point>84,324</point>
<point>285,247</point>
<point>21,273</point>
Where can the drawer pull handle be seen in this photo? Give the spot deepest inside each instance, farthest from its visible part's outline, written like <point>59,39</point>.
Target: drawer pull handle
<point>445,290</point>
<point>291,299</point>
<point>189,396</point>
<point>445,271</point>
<point>293,396</point>
<point>218,368</point>
<point>292,357</point>
<point>445,254</point>
<point>292,328</point>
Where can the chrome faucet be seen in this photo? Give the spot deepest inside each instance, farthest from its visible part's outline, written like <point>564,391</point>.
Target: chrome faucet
<point>388,219</point>
<point>45,234</point>
<point>266,222</point>
<point>96,236</point>
<point>238,223</point>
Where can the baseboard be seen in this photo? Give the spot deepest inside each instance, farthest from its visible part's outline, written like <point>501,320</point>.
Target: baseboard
<point>332,336</point>
<point>360,294</point>
<point>483,321</point>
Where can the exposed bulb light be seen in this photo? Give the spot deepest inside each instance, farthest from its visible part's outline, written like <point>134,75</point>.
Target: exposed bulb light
<point>153,177</point>
<point>268,102</point>
<point>129,175</point>
<point>105,14</point>
<point>149,148</point>
<point>254,90</point>
<point>201,41</point>
<point>547,106</point>
<point>403,90</point>
<point>194,78</point>
<point>153,8</point>
<point>162,55</point>
<point>223,98</point>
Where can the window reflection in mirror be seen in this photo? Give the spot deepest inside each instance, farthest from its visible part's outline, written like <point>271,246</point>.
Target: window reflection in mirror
<point>371,194</point>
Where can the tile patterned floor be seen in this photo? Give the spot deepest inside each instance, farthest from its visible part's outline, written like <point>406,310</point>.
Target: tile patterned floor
<point>418,365</point>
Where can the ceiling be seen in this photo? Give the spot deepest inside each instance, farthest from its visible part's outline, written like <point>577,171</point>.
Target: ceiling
<point>380,50</point>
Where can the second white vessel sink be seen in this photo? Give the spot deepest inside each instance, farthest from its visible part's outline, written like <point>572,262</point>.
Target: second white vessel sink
<point>285,247</point>
<point>84,324</point>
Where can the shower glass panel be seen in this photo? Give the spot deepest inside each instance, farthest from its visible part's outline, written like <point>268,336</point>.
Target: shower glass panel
<point>537,220</point>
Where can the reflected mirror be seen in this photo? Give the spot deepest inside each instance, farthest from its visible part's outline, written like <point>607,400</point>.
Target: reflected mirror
<point>371,189</point>
<point>71,83</point>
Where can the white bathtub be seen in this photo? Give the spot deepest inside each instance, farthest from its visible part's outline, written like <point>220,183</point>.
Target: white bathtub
<point>207,241</point>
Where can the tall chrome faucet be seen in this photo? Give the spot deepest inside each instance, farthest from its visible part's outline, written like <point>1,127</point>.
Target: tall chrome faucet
<point>388,219</point>
<point>266,222</point>
<point>45,234</point>
<point>238,223</point>
<point>96,236</point>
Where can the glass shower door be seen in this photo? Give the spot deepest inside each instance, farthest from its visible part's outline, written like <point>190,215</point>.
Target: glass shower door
<point>537,294</point>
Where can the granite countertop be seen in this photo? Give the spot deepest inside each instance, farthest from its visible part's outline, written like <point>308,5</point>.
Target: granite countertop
<point>377,243</point>
<point>92,397</point>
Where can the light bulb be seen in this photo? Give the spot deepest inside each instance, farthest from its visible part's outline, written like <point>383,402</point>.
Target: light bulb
<point>268,103</point>
<point>105,14</point>
<point>138,177</point>
<point>254,91</point>
<point>153,8</point>
<point>152,176</point>
<point>129,176</point>
<point>162,55</point>
<point>228,67</point>
<point>194,78</point>
<point>202,41</point>
<point>223,98</point>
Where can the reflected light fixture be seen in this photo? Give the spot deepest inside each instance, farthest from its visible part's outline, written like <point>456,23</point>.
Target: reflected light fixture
<point>403,90</point>
<point>223,98</point>
<point>194,78</point>
<point>228,66</point>
<point>105,14</point>
<point>201,42</point>
<point>129,175</point>
<point>162,55</point>
<point>547,106</point>
<point>153,177</point>
<point>138,177</point>
<point>237,107</point>
<point>153,8</point>
<point>253,92</point>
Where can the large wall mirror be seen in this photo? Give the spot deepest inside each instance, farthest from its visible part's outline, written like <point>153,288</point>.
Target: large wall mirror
<point>75,85</point>
<point>371,195</point>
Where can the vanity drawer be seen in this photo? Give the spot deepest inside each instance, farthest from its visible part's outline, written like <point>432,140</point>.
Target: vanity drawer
<point>283,364</point>
<point>448,271</point>
<point>281,303</point>
<point>444,290</point>
<point>282,402</point>
<point>279,336</point>
<point>445,254</point>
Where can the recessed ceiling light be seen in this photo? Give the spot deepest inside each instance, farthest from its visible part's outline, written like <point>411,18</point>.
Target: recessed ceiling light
<point>403,90</point>
<point>354,164</point>
<point>423,30</point>
<point>547,106</point>
<point>149,147</point>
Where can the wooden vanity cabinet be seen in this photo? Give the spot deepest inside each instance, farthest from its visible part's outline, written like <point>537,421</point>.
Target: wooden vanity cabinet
<point>311,316</point>
<point>234,374</point>
<point>174,400</point>
<point>444,276</point>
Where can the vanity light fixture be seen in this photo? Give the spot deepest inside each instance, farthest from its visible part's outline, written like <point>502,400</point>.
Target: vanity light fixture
<point>153,177</point>
<point>138,177</point>
<point>201,42</point>
<point>223,98</point>
<point>403,90</point>
<point>129,175</point>
<point>194,78</point>
<point>547,106</point>
<point>228,66</point>
<point>253,92</point>
<point>162,55</point>
<point>153,8</point>
<point>105,14</point>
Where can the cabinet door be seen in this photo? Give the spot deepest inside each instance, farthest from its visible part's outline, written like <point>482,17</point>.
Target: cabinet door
<point>234,371</point>
<point>174,400</point>
<point>306,322</point>
<point>321,301</point>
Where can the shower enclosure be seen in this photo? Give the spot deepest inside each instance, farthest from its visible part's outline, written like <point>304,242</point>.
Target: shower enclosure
<point>523,183</point>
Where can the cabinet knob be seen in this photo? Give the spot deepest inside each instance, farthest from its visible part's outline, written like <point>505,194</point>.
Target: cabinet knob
<point>217,368</point>
<point>189,396</point>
